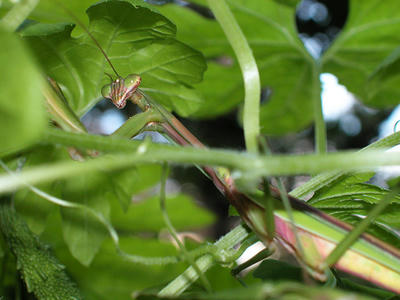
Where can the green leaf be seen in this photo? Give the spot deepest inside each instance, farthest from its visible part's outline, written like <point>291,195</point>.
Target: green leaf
<point>288,2</point>
<point>22,117</point>
<point>137,40</point>
<point>109,273</point>
<point>83,233</point>
<point>33,208</point>
<point>285,66</point>
<point>125,184</point>
<point>383,83</point>
<point>146,215</point>
<point>359,56</point>
<point>349,199</point>
<point>274,270</point>
<point>50,11</point>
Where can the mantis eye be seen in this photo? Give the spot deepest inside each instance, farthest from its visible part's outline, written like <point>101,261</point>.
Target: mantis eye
<point>132,82</point>
<point>106,91</point>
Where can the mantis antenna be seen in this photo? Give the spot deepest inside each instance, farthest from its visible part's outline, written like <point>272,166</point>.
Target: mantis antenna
<point>71,14</point>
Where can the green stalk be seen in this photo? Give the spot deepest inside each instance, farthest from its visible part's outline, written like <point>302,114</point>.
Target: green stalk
<point>18,14</point>
<point>144,260</point>
<point>359,229</point>
<point>136,123</point>
<point>130,153</point>
<point>263,254</point>
<point>259,165</point>
<point>285,200</point>
<point>320,128</point>
<point>251,77</point>
<point>59,108</point>
<point>183,281</point>
<point>174,235</point>
<point>321,180</point>
<point>268,202</point>
<point>143,152</point>
<point>289,211</point>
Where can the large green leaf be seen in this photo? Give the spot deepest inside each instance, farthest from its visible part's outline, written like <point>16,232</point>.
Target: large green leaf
<point>368,38</point>
<point>110,275</point>
<point>22,117</point>
<point>146,215</point>
<point>83,232</point>
<point>285,66</point>
<point>137,40</point>
<point>383,83</point>
<point>50,11</point>
<point>349,199</point>
<point>361,57</point>
<point>32,207</point>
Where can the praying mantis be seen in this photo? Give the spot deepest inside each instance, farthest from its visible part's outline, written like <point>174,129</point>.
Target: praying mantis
<point>313,234</point>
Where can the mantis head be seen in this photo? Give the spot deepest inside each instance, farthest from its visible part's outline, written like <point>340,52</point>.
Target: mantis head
<point>121,89</point>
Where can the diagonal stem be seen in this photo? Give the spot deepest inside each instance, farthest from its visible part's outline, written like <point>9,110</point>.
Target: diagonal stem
<point>359,229</point>
<point>248,65</point>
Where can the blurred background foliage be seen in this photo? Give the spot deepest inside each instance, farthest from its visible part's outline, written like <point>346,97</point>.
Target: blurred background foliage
<point>194,204</point>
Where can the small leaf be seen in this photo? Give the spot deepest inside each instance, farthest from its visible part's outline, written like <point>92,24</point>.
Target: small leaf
<point>146,46</point>
<point>22,117</point>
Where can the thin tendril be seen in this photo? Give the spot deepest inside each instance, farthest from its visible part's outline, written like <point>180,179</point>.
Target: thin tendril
<point>114,235</point>
<point>174,234</point>
<point>69,12</point>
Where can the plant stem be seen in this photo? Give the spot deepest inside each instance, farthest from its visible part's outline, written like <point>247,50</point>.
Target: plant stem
<point>321,180</point>
<point>251,77</point>
<point>359,229</point>
<point>183,281</point>
<point>18,14</point>
<point>136,123</point>
<point>141,152</point>
<point>255,259</point>
<point>269,210</point>
<point>320,129</point>
<point>144,260</point>
<point>285,200</point>
<point>173,233</point>
<point>59,108</point>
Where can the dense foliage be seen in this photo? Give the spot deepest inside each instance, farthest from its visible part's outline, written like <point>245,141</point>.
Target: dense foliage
<point>95,226</point>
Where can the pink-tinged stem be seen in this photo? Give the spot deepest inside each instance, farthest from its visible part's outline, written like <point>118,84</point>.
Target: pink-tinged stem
<point>318,248</point>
